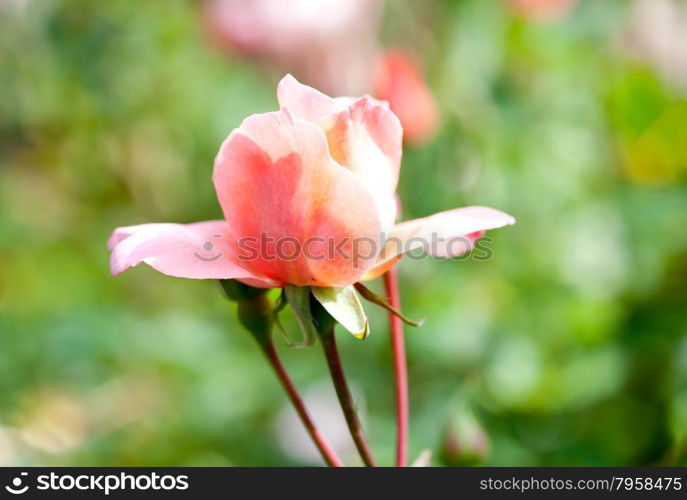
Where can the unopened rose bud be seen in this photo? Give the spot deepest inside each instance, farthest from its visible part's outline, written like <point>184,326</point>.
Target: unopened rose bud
<point>465,441</point>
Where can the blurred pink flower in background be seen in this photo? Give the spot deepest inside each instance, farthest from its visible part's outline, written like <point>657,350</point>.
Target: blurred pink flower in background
<point>543,10</point>
<point>328,45</point>
<point>320,170</point>
<point>399,81</point>
<point>657,35</point>
<point>332,46</point>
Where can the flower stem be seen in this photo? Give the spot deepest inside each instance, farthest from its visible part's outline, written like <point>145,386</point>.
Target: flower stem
<point>344,394</point>
<point>327,452</point>
<point>398,352</point>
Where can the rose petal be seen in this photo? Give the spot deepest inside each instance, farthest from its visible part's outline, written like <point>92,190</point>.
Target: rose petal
<point>445,234</point>
<point>367,139</point>
<point>293,212</point>
<point>198,250</point>
<point>307,103</point>
<point>363,136</point>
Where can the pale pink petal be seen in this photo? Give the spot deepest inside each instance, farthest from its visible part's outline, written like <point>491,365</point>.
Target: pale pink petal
<point>200,250</point>
<point>363,135</point>
<point>367,139</point>
<point>305,102</point>
<point>443,235</point>
<point>458,245</point>
<point>287,202</point>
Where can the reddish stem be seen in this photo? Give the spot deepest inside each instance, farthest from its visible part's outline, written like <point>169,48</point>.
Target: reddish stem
<point>345,399</point>
<point>398,353</point>
<point>327,452</point>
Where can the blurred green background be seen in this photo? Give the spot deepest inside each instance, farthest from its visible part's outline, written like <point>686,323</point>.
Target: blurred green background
<point>569,347</point>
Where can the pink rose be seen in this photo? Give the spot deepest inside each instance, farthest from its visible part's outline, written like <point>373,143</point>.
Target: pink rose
<point>308,196</point>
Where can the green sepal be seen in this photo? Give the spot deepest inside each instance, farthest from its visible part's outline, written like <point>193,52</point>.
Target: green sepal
<point>298,298</point>
<point>382,302</point>
<point>255,312</point>
<point>257,316</point>
<point>344,306</point>
<point>235,290</point>
<point>323,321</point>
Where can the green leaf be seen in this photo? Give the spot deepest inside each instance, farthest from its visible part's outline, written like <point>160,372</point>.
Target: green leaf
<point>344,306</point>
<point>299,299</point>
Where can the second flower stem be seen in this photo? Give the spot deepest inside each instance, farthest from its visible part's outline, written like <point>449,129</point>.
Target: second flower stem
<point>398,353</point>
<point>345,399</point>
<point>328,454</point>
